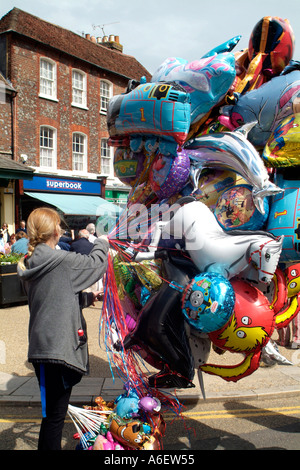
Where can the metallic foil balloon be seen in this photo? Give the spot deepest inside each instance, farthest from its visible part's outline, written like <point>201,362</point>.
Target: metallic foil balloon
<point>270,49</point>
<point>248,330</point>
<point>129,165</point>
<point>232,150</point>
<point>235,209</point>
<point>224,47</point>
<point>211,184</point>
<point>206,80</point>
<point>284,218</point>
<point>292,274</point>
<point>207,302</point>
<point>160,326</point>
<point>168,174</point>
<point>283,147</point>
<point>216,251</point>
<point>151,115</point>
<point>268,106</point>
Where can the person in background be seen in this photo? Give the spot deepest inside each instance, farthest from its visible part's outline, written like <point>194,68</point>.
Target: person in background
<point>21,244</point>
<point>82,244</point>
<point>2,247</point>
<point>54,281</point>
<point>7,246</point>
<point>6,235</point>
<point>65,241</point>
<point>92,230</point>
<point>22,227</point>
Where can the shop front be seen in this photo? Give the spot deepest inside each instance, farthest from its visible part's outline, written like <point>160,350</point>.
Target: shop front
<point>78,200</point>
<point>11,174</point>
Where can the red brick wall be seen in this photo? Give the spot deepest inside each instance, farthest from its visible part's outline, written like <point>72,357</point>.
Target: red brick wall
<point>33,111</point>
<point>5,122</point>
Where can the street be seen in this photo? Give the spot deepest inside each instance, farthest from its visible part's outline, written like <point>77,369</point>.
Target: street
<point>265,424</point>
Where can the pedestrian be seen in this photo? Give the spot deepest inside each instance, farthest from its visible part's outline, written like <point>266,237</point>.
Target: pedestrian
<point>6,236</point>
<point>21,244</point>
<point>2,245</point>
<point>65,241</point>
<point>22,227</point>
<point>54,281</point>
<point>92,230</point>
<point>7,246</point>
<point>296,332</point>
<point>82,244</point>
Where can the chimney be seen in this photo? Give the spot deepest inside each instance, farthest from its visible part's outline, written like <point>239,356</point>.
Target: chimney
<point>111,41</point>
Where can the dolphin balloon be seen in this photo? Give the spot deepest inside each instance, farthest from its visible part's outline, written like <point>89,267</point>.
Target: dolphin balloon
<point>233,151</point>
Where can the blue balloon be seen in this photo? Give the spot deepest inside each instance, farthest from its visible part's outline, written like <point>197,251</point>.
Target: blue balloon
<point>268,105</point>
<point>206,80</point>
<point>151,116</point>
<point>208,302</point>
<point>284,217</point>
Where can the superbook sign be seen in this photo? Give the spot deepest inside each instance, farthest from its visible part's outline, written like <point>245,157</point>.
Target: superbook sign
<point>62,185</point>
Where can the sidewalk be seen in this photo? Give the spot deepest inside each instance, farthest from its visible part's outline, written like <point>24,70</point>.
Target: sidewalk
<point>18,385</point>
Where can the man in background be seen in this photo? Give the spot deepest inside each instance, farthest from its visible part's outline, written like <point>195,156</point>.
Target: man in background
<point>82,244</point>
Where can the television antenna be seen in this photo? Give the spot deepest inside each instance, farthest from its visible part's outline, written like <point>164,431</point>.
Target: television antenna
<point>101,26</point>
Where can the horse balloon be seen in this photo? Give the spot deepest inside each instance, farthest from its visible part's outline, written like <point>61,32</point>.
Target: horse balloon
<point>226,253</point>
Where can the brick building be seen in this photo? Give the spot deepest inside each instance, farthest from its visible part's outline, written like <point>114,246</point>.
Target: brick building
<point>53,119</point>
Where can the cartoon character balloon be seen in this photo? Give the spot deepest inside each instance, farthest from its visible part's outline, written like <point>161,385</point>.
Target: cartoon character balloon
<point>247,331</point>
<point>207,302</point>
<point>284,218</point>
<point>235,209</point>
<point>292,303</point>
<point>151,116</point>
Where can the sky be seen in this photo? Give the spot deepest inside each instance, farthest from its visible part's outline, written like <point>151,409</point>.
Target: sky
<point>155,30</point>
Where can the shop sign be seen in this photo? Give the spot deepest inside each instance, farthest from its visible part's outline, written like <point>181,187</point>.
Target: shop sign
<point>62,185</point>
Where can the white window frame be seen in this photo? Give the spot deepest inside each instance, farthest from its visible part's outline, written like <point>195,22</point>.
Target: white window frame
<point>48,79</point>
<point>50,149</point>
<point>106,93</point>
<point>79,89</point>
<point>106,158</point>
<point>81,152</point>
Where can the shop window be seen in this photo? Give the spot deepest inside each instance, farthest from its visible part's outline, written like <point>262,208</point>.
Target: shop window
<point>79,152</point>
<point>105,95</point>
<point>79,90</point>
<point>106,160</point>
<point>48,147</point>
<point>48,88</point>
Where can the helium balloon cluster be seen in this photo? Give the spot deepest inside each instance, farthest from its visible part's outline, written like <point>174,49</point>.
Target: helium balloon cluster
<point>127,423</point>
<point>209,150</point>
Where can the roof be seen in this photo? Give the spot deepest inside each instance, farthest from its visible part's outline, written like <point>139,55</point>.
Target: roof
<point>7,84</point>
<point>11,169</point>
<point>28,25</point>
